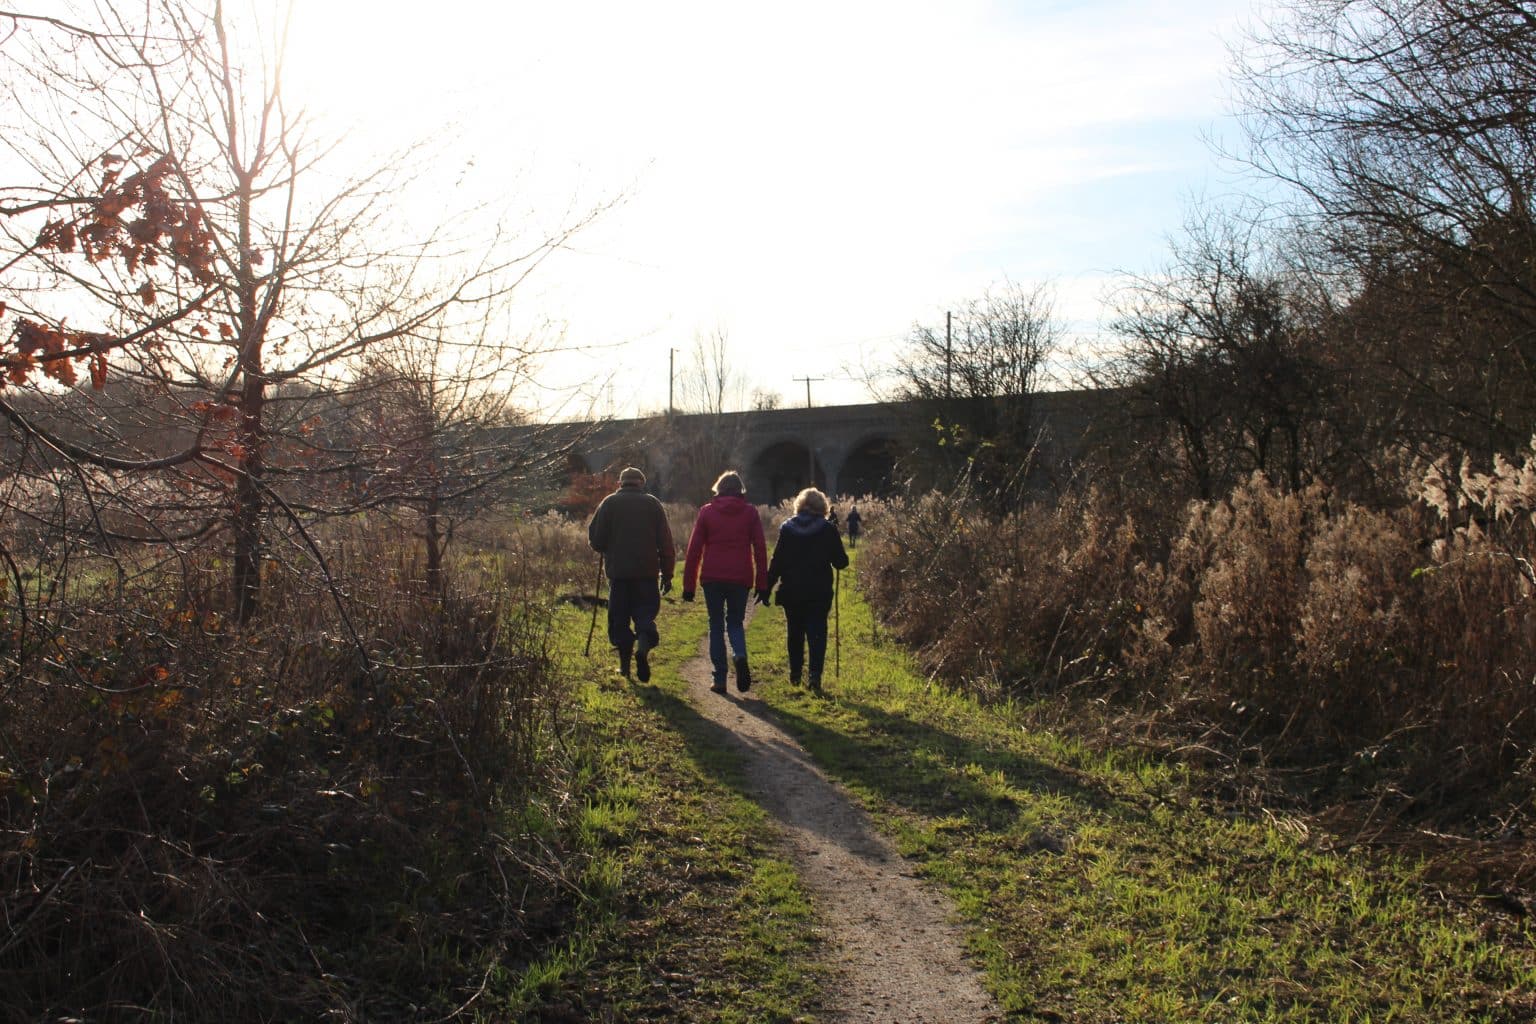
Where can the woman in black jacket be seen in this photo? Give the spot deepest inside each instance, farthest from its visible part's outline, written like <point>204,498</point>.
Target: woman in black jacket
<point>807,551</point>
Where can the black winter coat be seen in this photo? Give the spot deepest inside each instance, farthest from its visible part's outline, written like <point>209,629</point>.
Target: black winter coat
<point>807,551</point>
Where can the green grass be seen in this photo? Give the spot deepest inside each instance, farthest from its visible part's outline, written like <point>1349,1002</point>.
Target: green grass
<point>1100,887</point>
<point>683,909</point>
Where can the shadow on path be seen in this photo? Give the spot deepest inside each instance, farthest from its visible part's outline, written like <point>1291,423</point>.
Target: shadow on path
<point>896,949</point>
<point>886,767</point>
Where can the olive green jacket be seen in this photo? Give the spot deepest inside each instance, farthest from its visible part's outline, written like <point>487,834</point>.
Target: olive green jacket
<point>630,528</point>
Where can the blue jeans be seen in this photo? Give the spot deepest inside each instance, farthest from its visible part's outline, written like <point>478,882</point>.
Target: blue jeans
<point>726,604</point>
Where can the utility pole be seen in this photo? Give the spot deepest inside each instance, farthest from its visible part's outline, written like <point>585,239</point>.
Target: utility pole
<point>949,354</point>
<point>808,387</point>
<point>809,451</point>
<point>671,377</point>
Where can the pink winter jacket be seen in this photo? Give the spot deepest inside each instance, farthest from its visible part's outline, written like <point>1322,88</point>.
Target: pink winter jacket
<point>727,546</point>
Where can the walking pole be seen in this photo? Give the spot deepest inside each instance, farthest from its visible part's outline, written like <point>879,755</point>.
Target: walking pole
<point>837,626</point>
<point>597,596</point>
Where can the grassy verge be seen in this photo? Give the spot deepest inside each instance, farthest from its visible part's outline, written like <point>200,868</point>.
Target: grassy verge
<point>685,912</point>
<point>1100,888</point>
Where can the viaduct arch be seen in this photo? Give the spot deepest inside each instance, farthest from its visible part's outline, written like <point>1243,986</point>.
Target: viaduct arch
<point>842,449</point>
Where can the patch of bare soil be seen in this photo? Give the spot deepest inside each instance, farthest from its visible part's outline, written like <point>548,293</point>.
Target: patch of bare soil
<point>899,954</point>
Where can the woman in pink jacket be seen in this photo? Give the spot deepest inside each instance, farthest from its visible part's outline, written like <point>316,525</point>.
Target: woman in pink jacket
<point>727,553</point>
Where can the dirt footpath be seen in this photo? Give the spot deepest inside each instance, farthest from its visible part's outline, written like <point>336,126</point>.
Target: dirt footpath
<point>899,955</point>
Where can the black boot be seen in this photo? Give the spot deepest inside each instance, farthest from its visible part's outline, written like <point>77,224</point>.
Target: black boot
<point>642,662</point>
<point>624,662</point>
<point>743,675</point>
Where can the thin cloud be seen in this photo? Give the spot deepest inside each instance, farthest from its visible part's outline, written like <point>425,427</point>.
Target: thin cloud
<point>807,174</point>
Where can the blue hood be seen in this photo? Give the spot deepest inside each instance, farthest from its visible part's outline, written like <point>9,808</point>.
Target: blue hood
<point>806,524</point>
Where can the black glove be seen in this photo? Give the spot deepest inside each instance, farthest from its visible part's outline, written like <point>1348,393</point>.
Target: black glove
<point>762,597</point>
<point>666,584</point>
<point>688,595</point>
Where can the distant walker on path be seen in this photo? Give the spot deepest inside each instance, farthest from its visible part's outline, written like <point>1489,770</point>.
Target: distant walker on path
<point>631,531</point>
<point>854,522</point>
<point>806,553</point>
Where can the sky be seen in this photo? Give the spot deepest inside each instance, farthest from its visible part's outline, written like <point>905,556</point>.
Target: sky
<point>809,178</point>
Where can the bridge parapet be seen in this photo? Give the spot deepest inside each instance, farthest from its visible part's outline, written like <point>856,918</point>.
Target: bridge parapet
<point>844,449</point>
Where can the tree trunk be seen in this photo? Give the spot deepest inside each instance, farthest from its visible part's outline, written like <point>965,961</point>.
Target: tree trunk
<point>434,543</point>
<point>250,439</point>
<point>250,503</point>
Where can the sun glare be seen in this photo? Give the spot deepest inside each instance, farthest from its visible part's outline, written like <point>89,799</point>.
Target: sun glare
<point>819,177</point>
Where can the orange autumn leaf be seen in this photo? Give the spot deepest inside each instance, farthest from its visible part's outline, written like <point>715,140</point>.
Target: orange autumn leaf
<point>61,370</point>
<point>18,367</point>
<point>56,351</point>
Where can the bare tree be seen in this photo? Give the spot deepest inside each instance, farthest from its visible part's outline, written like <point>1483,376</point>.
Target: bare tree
<point>711,385</point>
<point>177,204</point>
<point>1406,131</point>
<point>766,401</point>
<point>1216,368</point>
<point>971,381</point>
<point>431,427</point>
<point>703,438</point>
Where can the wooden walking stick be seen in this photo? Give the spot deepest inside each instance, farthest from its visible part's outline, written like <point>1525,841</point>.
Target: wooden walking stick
<point>597,597</point>
<point>837,626</point>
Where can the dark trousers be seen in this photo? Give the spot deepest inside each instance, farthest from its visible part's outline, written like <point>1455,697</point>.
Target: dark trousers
<point>633,601</point>
<point>807,622</point>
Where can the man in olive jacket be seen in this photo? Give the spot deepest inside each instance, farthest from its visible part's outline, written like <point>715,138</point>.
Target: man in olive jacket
<point>630,528</point>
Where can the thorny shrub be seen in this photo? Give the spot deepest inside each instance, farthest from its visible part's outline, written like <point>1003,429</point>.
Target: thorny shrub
<point>298,820</point>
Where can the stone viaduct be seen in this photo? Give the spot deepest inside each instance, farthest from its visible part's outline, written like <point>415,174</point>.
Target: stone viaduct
<point>845,449</point>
